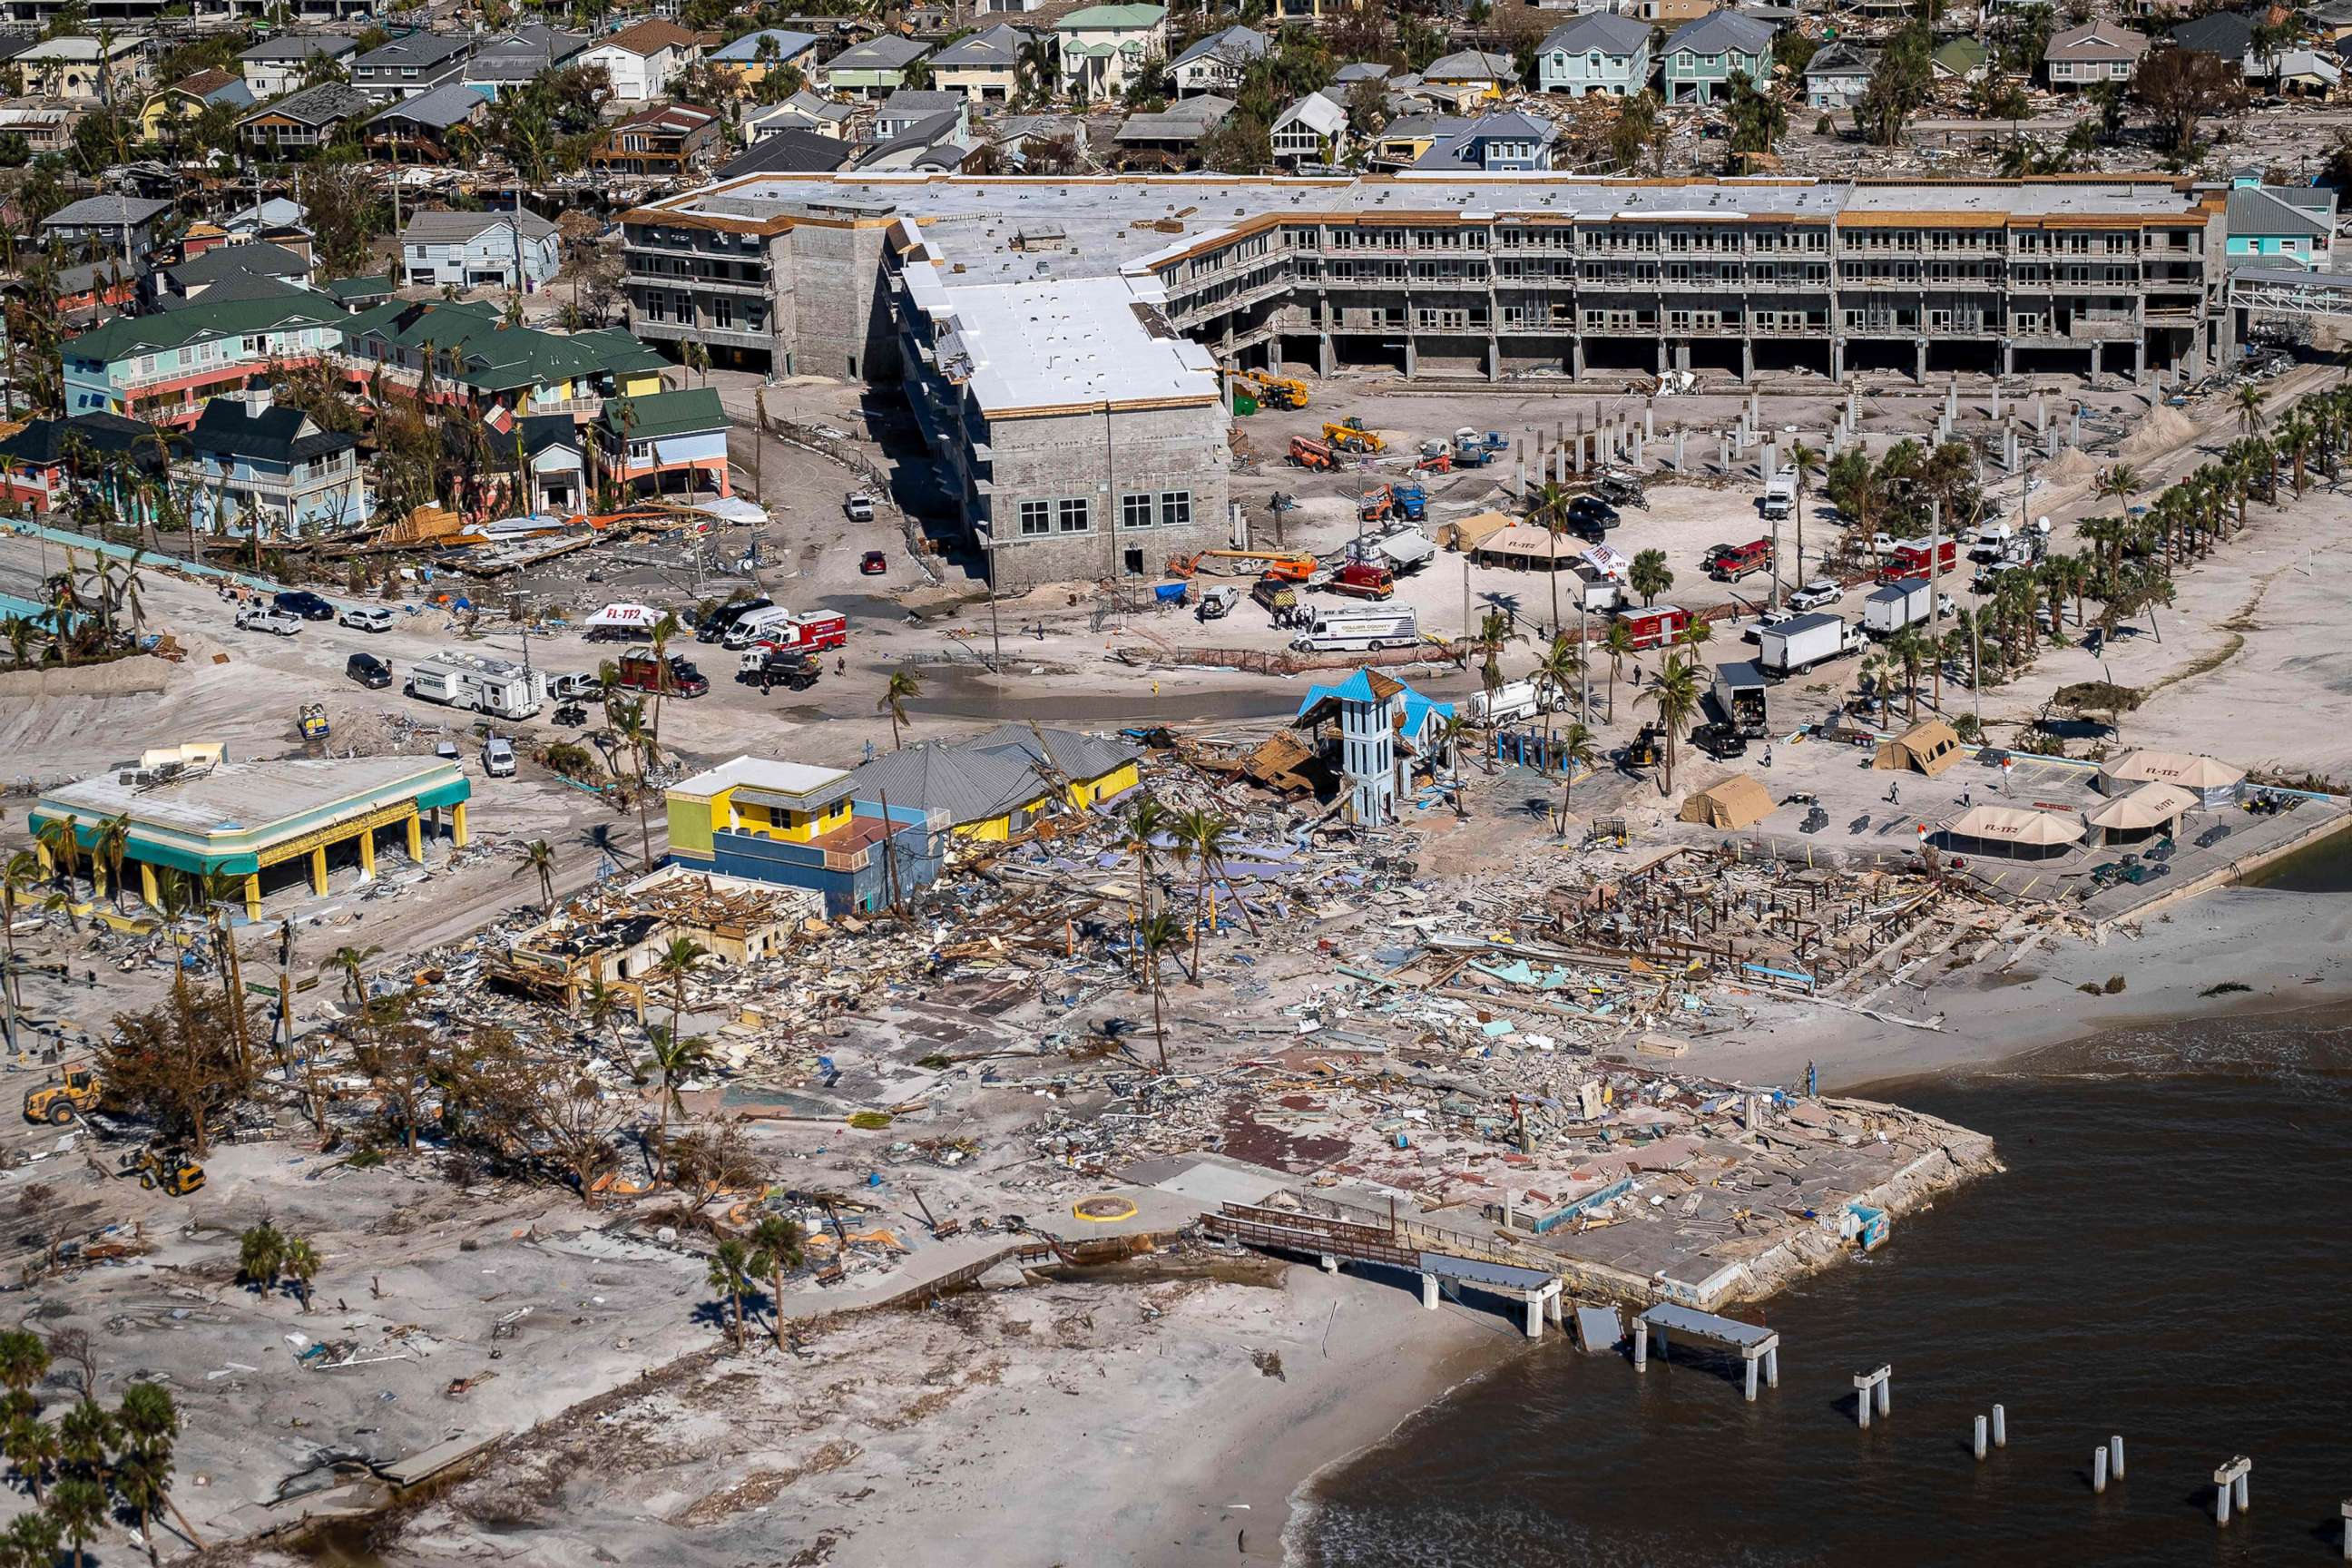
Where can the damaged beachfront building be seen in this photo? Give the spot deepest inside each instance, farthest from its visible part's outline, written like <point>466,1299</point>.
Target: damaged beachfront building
<point>614,936</point>
<point>796,826</point>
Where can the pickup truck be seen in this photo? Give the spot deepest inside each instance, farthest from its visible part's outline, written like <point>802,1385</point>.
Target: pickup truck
<point>262,618</point>
<point>859,506</point>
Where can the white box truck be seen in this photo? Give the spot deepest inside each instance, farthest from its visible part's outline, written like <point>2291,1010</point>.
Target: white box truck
<point>1781,494</point>
<point>1896,606</point>
<point>1801,642</point>
<point>1739,693</point>
<point>498,686</point>
<point>1332,631</point>
<point>1512,701</point>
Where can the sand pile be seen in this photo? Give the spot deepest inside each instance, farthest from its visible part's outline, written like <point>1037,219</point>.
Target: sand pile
<point>2071,467</point>
<point>2160,432</point>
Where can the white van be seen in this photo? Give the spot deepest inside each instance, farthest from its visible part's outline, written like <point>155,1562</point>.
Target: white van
<point>1334,630</point>
<point>752,628</point>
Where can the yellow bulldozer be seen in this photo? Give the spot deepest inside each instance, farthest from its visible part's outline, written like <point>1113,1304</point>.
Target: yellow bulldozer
<point>1275,391</point>
<point>169,1171</point>
<point>1352,434</point>
<point>60,1103</point>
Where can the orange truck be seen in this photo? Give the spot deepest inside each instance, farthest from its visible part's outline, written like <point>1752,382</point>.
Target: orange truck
<point>1305,452</point>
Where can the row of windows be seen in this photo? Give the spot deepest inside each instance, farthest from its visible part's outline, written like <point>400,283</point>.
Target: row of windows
<point>1075,514</point>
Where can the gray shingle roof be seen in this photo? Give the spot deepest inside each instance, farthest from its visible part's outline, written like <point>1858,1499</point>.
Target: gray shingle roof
<point>439,109</point>
<point>436,227</point>
<point>1072,752</point>
<point>1602,30</point>
<point>321,105</point>
<point>299,46</point>
<point>106,209</point>
<point>257,258</point>
<point>969,785</point>
<point>1720,33</point>
<point>788,152</point>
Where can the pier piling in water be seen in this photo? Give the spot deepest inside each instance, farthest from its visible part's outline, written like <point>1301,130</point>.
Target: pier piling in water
<point>1870,1385</point>
<point>1980,1438</point>
<point>2115,1454</point>
<point>2000,1428</point>
<point>2099,1471</point>
<point>2230,1478</point>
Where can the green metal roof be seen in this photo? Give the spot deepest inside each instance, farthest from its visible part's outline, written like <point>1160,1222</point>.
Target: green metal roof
<point>662,413</point>
<point>495,357</point>
<point>129,335</point>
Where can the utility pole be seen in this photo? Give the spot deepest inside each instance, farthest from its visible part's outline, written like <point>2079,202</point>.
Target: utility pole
<point>995,632</point>
<point>286,984</point>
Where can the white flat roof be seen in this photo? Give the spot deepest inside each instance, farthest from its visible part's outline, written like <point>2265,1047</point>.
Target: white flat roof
<point>1051,345</point>
<point>762,773</point>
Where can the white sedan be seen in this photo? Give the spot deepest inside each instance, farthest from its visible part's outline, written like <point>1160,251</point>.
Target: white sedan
<point>366,618</point>
<point>1814,594</point>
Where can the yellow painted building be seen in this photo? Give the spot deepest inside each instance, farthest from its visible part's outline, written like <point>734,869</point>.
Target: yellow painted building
<point>790,801</point>
<point>997,785</point>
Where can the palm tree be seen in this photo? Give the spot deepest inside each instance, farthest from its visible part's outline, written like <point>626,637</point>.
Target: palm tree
<point>261,1255</point>
<point>1675,695</point>
<point>24,1360</point>
<point>1494,631</point>
<point>1576,750</point>
<point>112,847</point>
<point>1198,835</point>
<point>1451,734</point>
<point>1161,933</point>
<point>1618,644</point>
<point>78,1505</point>
<point>33,1536</point>
<point>1556,673</point>
<point>731,1272</point>
<point>630,733</point>
<point>538,856</point>
<point>2118,481</point>
<point>777,1239</point>
<point>301,1266</point>
<point>902,687</point>
<point>349,962</point>
<point>1906,648</point>
<point>1695,635</point>
<point>1650,575</point>
<point>673,1058</point>
<point>2296,435</point>
<point>1549,511</point>
<point>1146,819</point>
<point>21,875</point>
<point>678,961</point>
<point>2249,404</point>
<point>1803,459</point>
<point>604,1007</point>
<point>32,1447</point>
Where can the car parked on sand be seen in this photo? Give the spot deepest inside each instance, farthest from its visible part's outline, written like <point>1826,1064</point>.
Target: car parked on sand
<point>369,671</point>
<point>303,602</point>
<point>366,618</point>
<point>262,618</point>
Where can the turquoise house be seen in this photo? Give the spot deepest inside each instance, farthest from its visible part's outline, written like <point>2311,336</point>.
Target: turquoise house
<point>1598,52</point>
<point>2279,225</point>
<point>1702,56</point>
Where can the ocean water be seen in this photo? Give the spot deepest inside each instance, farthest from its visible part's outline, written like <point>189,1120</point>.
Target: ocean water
<point>2166,1259</point>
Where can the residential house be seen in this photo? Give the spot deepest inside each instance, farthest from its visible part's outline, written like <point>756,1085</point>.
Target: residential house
<point>1170,139</point>
<point>933,142</point>
<point>668,443</point>
<point>1312,130</point>
<point>790,150</point>
<point>39,462</point>
<point>1218,62</point>
<point>750,58</point>
<point>2279,225</point>
<point>162,368</point>
<point>1406,139</point>
<point>2296,72</point>
<point>905,109</point>
<point>1382,729</point>
<point>86,70</point>
<point>276,67</point>
<point>985,67</point>
<point>1838,75</point>
<point>668,139</point>
<point>256,466</point>
<point>205,275</point>
<point>1495,145</point>
<point>1598,52</point>
<point>793,824</point>
<point>515,59</point>
<point>305,122</point>
<point>556,455</point>
<point>1002,783</point>
<point>172,109</point>
<point>424,128</point>
<point>408,66</point>
<point>1103,45</point>
<point>641,58</point>
<point>127,227</point>
<point>1702,56</point>
<point>480,250</point>
<point>1309,12</point>
<point>2222,33</point>
<point>2331,19</point>
<point>1470,76</point>
<point>481,363</point>
<point>269,216</point>
<point>1961,61</point>
<point>84,291</point>
<point>2093,53</point>
<point>46,127</point>
<point>803,111</point>
<point>1354,71</point>
<point>873,69</point>
<point>1669,13</point>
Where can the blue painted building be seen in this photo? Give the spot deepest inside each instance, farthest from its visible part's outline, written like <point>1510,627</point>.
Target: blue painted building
<point>252,463</point>
<point>1384,729</point>
<point>2279,225</point>
<point>1598,52</point>
<point>1702,56</point>
<point>799,826</point>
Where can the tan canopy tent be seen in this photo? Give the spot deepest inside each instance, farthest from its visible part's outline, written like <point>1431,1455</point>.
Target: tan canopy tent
<point>2016,831</point>
<point>2213,781</point>
<point>1740,801</point>
<point>2143,812</point>
<point>1529,547</point>
<point>1929,746</point>
<point>1470,532</point>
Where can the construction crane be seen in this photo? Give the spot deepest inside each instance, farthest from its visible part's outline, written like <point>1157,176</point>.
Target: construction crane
<point>1290,566</point>
<point>1352,434</point>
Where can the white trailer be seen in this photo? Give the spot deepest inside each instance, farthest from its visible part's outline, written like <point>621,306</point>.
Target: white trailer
<point>1512,701</point>
<point>498,686</point>
<point>1409,550</point>
<point>1332,631</point>
<point>1801,642</point>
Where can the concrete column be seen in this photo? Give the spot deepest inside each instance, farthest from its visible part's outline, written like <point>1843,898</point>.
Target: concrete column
<point>1412,359</point>
<point>1922,347</point>
<point>1772,1367</point>
<point>1724,461</point>
<point>1649,422</point>
<point>416,825</point>
<point>1680,467</point>
<point>2115,1454</point>
<point>367,856</point>
<point>1535,1316</point>
<point>2099,1471</point>
<point>1980,1437</point>
<point>147,888</point>
<point>1999,1426</point>
<point>1555,1312</point>
<point>1755,414</point>
<point>457,825</point>
<point>319,870</point>
<point>2139,363</point>
<point>252,896</point>
<point>1861,1402</point>
<point>2049,442</point>
<point>2245,1499</point>
<point>1642,1359</point>
<point>1428,1291</point>
<point>1324,362</point>
<point>2040,414</point>
<point>1748,358</point>
<point>1331,1264</point>
<point>2222,1503</point>
<point>2076,440</point>
<point>1493,359</point>
<point>1637,451</point>
<point>1576,359</point>
<point>1951,401</point>
<point>1885,1394</point>
<point>1751,1380</point>
<point>1837,359</point>
<point>1996,402</point>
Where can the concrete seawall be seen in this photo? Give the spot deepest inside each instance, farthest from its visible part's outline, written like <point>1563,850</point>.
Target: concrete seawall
<point>140,676</point>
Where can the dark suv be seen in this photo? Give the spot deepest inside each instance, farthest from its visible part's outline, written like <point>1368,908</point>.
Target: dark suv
<point>1720,741</point>
<point>369,671</point>
<point>303,602</point>
<point>1590,514</point>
